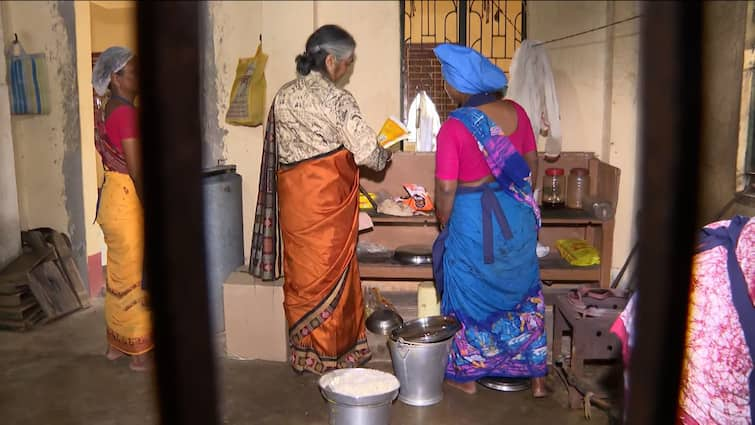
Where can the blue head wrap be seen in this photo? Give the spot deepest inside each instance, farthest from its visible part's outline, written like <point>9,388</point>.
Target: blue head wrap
<point>468,71</point>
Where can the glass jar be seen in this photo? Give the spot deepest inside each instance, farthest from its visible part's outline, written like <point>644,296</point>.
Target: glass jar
<point>577,188</point>
<point>553,188</point>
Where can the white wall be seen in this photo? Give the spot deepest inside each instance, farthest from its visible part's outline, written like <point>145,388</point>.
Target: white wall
<point>47,148</point>
<point>596,79</point>
<point>285,26</point>
<point>10,228</point>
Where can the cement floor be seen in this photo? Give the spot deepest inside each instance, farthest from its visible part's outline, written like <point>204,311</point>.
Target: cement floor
<point>58,375</point>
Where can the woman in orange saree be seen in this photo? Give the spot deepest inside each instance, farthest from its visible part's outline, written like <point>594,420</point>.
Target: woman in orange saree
<point>315,140</point>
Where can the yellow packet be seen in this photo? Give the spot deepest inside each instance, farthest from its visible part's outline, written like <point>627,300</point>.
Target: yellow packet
<point>578,252</point>
<point>364,203</point>
<point>392,132</point>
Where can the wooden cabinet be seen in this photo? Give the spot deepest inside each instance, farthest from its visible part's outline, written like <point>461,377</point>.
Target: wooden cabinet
<point>415,167</point>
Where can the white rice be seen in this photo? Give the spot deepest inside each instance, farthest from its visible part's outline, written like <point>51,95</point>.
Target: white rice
<point>359,382</point>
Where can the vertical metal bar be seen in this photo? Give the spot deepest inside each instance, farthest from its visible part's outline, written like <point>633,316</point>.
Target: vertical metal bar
<point>402,46</point>
<point>462,22</point>
<point>670,66</point>
<point>174,247</point>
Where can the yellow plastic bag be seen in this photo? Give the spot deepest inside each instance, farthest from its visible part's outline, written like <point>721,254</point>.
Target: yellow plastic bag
<point>247,106</point>
<point>578,252</point>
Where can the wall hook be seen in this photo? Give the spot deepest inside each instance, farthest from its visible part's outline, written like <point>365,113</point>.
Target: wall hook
<point>260,37</point>
<point>15,38</point>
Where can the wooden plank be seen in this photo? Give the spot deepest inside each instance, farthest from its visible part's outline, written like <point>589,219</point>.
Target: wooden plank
<point>383,219</point>
<point>26,324</point>
<point>19,298</point>
<point>62,246</point>
<point>607,181</point>
<point>18,269</point>
<point>52,291</point>
<point>405,167</point>
<point>20,312</point>
<point>395,271</point>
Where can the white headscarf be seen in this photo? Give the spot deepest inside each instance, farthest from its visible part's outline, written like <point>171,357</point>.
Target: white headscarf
<point>111,60</point>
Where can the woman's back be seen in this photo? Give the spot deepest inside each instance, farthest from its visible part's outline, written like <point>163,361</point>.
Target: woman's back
<point>459,157</point>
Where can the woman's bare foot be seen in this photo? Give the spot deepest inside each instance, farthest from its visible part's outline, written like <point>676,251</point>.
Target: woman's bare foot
<point>113,353</point>
<point>467,387</point>
<point>141,363</point>
<point>538,387</point>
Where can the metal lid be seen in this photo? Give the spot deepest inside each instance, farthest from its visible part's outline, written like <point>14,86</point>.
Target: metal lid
<point>554,171</point>
<point>220,169</point>
<point>505,384</point>
<point>427,329</point>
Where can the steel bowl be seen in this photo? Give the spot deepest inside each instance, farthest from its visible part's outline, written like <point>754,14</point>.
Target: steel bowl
<point>383,321</point>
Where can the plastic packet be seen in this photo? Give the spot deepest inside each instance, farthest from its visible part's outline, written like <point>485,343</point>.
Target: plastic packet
<point>392,132</point>
<point>578,252</point>
<point>419,199</point>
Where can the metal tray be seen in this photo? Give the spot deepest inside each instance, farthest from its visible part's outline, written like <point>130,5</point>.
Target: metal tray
<point>505,384</point>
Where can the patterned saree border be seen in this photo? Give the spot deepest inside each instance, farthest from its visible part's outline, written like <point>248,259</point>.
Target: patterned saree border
<point>322,312</point>
<point>306,359</point>
<point>132,346</point>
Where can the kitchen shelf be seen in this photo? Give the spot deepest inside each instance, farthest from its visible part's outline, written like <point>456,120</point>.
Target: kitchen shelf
<point>552,268</point>
<point>563,223</point>
<point>417,220</point>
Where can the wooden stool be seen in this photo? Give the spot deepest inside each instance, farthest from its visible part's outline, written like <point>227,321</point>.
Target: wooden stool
<point>590,336</point>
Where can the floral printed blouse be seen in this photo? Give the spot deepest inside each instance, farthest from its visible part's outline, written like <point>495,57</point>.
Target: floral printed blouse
<point>314,117</point>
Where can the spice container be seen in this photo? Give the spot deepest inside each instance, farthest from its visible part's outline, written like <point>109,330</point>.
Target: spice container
<point>553,188</point>
<point>578,186</point>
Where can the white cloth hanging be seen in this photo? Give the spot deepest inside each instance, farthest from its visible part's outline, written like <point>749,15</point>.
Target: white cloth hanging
<point>423,126</point>
<point>532,86</point>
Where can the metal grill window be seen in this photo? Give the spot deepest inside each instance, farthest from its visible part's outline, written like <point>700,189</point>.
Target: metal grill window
<point>495,28</point>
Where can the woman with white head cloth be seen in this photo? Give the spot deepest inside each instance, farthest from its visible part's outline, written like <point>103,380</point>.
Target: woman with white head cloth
<point>120,213</point>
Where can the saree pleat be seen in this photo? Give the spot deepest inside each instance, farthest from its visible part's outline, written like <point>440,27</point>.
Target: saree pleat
<point>318,216</point>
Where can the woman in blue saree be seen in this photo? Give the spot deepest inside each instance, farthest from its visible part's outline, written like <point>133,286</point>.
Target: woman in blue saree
<point>485,259</point>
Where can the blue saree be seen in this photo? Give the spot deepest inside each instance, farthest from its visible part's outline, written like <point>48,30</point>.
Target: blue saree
<point>488,268</point>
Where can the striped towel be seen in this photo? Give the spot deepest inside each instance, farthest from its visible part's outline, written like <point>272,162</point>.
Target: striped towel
<point>28,84</point>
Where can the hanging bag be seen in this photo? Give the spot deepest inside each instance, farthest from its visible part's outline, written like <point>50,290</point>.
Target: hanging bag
<point>27,82</point>
<point>248,93</point>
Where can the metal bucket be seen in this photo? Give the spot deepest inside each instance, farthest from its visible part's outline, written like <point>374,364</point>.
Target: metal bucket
<point>357,410</point>
<point>420,368</point>
<point>344,414</point>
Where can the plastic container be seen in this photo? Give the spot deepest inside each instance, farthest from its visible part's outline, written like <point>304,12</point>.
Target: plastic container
<point>223,234</point>
<point>554,194</point>
<point>578,186</point>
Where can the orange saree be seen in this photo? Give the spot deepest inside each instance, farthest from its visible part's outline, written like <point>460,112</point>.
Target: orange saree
<point>318,213</point>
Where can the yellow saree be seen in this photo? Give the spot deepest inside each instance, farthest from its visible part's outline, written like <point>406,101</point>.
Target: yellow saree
<point>129,326</point>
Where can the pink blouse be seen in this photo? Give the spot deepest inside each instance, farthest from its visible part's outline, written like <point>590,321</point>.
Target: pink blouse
<point>458,156</point>
<point>121,124</point>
